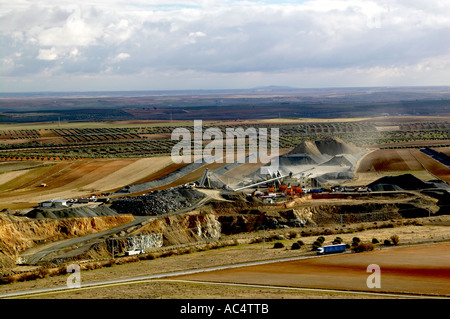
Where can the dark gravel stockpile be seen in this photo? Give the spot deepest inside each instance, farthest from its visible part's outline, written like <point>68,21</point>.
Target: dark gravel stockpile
<point>72,212</point>
<point>401,182</point>
<point>158,202</point>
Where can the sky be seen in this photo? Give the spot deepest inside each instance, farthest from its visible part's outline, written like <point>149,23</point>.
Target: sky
<point>119,45</point>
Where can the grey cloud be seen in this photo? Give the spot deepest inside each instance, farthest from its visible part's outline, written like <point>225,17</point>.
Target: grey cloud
<point>223,39</point>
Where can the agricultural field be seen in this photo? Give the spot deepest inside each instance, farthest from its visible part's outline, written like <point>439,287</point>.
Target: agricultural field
<point>402,272</point>
<point>400,161</point>
<point>21,185</point>
<point>147,139</point>
<point>76,159</point>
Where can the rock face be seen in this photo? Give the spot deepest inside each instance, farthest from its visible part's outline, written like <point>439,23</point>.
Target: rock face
<point>144,241</point>
<point>157,202</point>
<point>241,216</point>
<point>181,229</point>
<point>17,234</point>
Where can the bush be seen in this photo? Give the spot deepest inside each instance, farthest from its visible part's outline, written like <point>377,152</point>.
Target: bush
<point>395,239</point>
<point>301,243</point>
<point>295,246</point>
<point>337,240</point>
<point>305,233</point>
<point>292,235</point>
<point>356,240</point>
<point>387,242</point>
<point>375,241</point>
<point>316,245</point>
<point>147,256</point>
<point>278,245</point>
<point>256,240</point>
<point>320,239</point>
<point>362,247</point>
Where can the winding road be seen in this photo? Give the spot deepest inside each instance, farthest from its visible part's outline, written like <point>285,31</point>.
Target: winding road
<point>34,255</point>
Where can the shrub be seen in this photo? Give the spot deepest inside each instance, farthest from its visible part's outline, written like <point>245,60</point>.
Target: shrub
<point>292,235</point>
<point>147,256</point>
<point>395,239</point>
<point>167,253</point>
<point>362,247</point>
<point>316,245</point>
<point>305,233</point>
<point>375,241</point>
<point>356,240</point>
<point>387,242</point>
<point>337,240</point>
<point>388,225</point>
<point>278,245</point>
<point>301,243</point>
<point>320,239</point>
<point>361,228</point>
<point>256,240</point>
<point>295,246</point>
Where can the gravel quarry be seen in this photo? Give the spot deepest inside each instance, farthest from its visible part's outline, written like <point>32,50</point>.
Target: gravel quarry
<point>158,202</point>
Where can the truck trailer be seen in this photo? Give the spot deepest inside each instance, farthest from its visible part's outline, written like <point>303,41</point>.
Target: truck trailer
<point>332,249</point>
<point>134,252</point>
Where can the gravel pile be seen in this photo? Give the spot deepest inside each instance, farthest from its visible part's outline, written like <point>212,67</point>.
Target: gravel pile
<point>158,202</point>
<point>401,182</point>
<point>72,212</point>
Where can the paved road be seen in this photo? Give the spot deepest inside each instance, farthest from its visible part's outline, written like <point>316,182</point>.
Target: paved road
<point>131,280</point>
<point>167,276</point>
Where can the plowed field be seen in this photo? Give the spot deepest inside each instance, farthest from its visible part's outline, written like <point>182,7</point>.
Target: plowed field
<point>22,188</point>
<point>390,160</point>
<point>408,160</point>
<point>416,269</point>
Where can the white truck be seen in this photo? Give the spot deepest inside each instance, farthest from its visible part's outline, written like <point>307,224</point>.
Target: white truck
<point>134,252</point>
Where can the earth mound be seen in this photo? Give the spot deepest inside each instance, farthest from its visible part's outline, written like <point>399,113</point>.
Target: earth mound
<point>71,212</point>
<point>306,147</point>
<point>404,182</point>
<point>330,146</point>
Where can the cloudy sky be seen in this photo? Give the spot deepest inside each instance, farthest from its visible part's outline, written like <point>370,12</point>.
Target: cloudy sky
<point>96,45</point>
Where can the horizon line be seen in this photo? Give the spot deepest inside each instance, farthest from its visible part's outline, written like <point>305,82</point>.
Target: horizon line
<point>258,88</point>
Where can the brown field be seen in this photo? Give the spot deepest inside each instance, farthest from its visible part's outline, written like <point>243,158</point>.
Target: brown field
<point>71,179</point>
<point>389,160</point>
<point>417,269</point>
<point>406,160</point>
<point>334,268</point>
<point>445,150</point>
<point>433,166</point>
